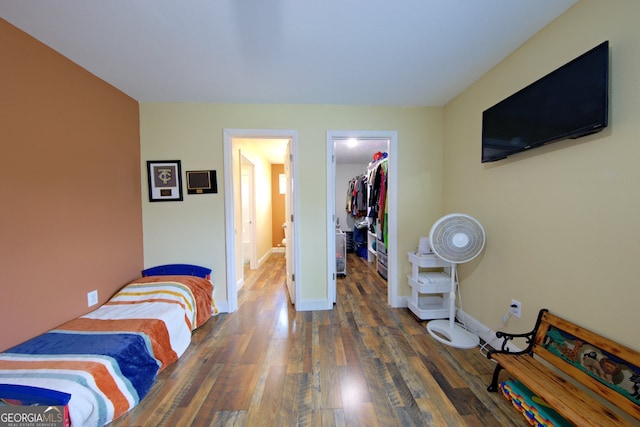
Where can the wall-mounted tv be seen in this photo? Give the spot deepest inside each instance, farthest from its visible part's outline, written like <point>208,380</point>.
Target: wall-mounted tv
<point>569,102</point>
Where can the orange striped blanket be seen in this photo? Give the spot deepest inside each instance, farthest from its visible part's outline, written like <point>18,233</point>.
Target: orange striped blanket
<point>109,359</point>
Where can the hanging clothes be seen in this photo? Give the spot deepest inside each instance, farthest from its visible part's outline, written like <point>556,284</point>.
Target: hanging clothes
<point>382,201</point>
<point>367,195</point>
<point>357,196</point>
<point>362,195</point>
<point>375,173</point>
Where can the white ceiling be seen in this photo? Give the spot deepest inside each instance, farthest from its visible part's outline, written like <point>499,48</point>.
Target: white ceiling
<point>349,52</point>
<point>359,151</point>
<point>339,52</point>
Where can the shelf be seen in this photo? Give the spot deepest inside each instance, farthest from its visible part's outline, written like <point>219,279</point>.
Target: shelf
<point>427,260</point>
<point>371,252</point>
<point>430,288</point>
<point>429,308</point>
<point>381,256</point>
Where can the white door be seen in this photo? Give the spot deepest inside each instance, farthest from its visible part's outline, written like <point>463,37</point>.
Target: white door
<point>247,196</point>
<point>289,222</point>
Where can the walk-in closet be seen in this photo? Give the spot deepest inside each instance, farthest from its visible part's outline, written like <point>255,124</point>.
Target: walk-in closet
<point>361,203</point>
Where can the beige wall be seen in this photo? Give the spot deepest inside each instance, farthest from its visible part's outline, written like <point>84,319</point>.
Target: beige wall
<point>562,221</point>
<point>193,230</point>
<point>70,186</point>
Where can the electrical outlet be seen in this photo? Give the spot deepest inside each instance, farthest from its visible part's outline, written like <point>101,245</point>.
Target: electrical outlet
<point>515,308</point>
<point>92,298</point>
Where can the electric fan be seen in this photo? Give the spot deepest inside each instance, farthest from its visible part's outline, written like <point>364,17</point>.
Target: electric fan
<point>456,238</point>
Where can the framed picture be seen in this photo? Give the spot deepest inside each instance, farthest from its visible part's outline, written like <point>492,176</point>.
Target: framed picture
<point>165,180</point>
<point>202,182</point>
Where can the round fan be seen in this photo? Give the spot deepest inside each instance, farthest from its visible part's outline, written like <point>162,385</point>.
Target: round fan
<point>456,238</point>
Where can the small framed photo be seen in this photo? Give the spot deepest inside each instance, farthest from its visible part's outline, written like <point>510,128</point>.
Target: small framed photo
<point>165,180</point>
<point>202,182</point>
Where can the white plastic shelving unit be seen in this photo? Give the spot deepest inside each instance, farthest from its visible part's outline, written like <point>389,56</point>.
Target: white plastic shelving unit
<point>429,288</point>
<point>371,251</point>
<point>341,252</point>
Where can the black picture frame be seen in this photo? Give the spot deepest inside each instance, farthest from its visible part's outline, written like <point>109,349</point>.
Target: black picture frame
<point>202,182</point>
<point>165,180</point>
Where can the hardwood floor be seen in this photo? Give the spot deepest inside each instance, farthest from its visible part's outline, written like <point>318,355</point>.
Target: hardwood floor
<point>361,364</point>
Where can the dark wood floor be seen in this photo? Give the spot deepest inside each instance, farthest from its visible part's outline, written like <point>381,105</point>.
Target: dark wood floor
<point>361,364</point>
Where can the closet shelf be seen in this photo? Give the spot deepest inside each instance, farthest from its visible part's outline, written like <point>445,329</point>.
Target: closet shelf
<point>371,250</point>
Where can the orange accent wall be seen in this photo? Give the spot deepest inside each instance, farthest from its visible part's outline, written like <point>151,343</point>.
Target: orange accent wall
<point>71,214</point>
<point>277,207</point>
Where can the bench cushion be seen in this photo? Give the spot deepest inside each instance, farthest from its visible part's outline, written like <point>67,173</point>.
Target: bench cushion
<point>535,410</point>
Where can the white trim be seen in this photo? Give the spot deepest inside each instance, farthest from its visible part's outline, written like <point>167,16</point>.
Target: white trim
<point>264,257</point>
<point>331,222</point>
<point>222,306</point>
<point>311,304</point>
<point>485,333</point>
<point>403,301</point>
<point>393,298</point>
<point>230,241</point>
<point>229,208</point>
<point>292,194</point>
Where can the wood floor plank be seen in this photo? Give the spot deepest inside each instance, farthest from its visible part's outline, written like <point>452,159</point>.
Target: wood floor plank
<point>341,357</point>
<point>377,378</point>
<point>327,393</point>
<point>353,386</point>
<point>233,388</point>
<point>363,363</point>
<point>440,406</point>
<point>223,419</point>
<point>265,411</point>
<point>435,359</point>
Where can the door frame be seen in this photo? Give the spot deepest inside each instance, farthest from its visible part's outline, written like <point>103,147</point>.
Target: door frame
<point>230,226</point>
<point>392,202</point>
<point>290,222</point>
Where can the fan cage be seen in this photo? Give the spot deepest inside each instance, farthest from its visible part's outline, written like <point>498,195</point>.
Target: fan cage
<point>457,238</point>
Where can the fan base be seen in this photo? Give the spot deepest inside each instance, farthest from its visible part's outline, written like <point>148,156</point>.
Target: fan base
<point>454,336</point>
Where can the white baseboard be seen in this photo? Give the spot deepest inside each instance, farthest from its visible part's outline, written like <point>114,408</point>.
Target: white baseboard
<point>222,306</point>
<point>403,302</point>
<point>264,258</point>
<point>313,305</point>
<point>485,333</point>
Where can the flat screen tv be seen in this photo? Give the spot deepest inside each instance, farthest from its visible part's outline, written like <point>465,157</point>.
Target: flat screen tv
<point>569,102</point>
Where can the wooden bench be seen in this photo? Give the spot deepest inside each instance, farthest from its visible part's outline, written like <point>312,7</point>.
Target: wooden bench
<point>608,369</point>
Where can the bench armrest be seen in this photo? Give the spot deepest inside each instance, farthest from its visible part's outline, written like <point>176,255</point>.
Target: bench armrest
<point>528,336</point>
<point>506,338</point>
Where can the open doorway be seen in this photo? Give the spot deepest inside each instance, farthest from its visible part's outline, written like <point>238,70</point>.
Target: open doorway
<point>339,139</point>
<point>240,143</point>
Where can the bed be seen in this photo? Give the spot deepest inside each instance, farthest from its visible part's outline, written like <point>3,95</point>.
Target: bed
<point>108,359</point>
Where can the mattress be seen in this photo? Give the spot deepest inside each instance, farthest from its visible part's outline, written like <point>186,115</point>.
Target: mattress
<point>107,360</point>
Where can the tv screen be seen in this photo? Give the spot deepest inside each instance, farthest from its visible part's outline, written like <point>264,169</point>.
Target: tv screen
<point>569,102</point>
